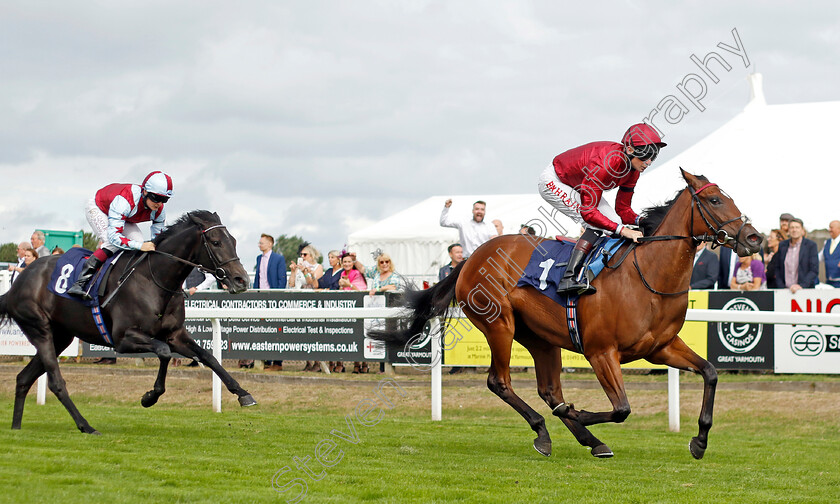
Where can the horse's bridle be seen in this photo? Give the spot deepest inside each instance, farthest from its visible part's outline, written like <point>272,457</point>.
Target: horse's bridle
<point>719,236</point>
<point>217,270</point>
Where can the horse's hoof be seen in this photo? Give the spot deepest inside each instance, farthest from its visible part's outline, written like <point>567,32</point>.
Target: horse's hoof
<point>90,430</point>
<point>247,400</point>
<point>149,399</point>
<point>543,446</point>
<point>696,450</point>
<point>602,451</point>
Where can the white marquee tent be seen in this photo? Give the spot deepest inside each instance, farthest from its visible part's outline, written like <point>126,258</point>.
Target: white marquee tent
<point>770,158</point>
<point>417,243</point>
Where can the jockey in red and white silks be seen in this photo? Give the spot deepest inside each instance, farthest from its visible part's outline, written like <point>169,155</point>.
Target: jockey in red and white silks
<point>113,215</point>
<point>574,184</point>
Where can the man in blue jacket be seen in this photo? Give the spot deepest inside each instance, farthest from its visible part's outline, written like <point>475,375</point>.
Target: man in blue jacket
<point>798,266</point>
<point>271,266</point>
<point>270,274</point>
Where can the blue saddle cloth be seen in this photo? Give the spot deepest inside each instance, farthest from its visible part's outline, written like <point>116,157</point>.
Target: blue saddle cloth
<point>548,264</point>
<point>67,271</point>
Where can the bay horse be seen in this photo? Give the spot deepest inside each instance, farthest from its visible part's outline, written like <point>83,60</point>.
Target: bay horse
<point>638,309</point>
<point>145,315</point>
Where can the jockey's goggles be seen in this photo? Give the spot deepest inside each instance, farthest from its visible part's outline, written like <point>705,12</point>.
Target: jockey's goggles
<point>157,198</point>
<point>646,152</point>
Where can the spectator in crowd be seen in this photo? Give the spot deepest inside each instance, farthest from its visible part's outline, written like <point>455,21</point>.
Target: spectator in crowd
<point>351,277</point>
<point>456,255</point>
<point>830,254</point>
<point>270,274</point>
<point>29,255</point>
<point>301,275</point>
<point>749,275</point>
<point>500,228</point>
<point>705,272</point>
<point>37,240</point>
<point>473,231</point>
<point>784,222</point>
<point>57,251</point>
<point>21,253</point>
<point>271,266</point>
<point>306,268</point>
<point>798,264</point>
<point>383,276</point>
<point>727,263</point>
<point>329,280</point>
<point>771,257</point>
<point>525,229</point>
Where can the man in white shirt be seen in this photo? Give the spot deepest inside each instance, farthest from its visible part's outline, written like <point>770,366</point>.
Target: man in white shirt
<point>21,250</point>
<point>474,231</point>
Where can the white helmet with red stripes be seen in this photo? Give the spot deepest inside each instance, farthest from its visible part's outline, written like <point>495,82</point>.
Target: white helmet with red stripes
<point>158,183</point>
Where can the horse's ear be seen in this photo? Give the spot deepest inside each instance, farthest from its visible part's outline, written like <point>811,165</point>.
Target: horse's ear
<point>195,220</point>
<point>689,178</point>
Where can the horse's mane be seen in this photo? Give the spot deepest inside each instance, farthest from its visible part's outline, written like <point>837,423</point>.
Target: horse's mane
<point>652,217</point>
<point>185,221</point>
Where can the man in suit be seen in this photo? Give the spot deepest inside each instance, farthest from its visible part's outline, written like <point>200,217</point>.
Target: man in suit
<point>706,268</point>
<point>271,266</point>
<point>37,240</point>
<point>727,262</point>
<point>271,274</point>
<point>831,255</point>
<point>798,265</point>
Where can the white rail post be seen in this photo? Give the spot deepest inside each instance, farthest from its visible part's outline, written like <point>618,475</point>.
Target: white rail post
<point>217,353</point>
<point>674,399</point>
<point>42,389</point>
<point>437,359</point>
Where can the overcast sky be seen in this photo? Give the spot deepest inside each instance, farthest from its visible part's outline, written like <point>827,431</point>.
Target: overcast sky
<point>320,118</point>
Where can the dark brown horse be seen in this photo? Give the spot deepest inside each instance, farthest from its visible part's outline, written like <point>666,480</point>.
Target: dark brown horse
<point>146,314</point>
<point>636,313</point>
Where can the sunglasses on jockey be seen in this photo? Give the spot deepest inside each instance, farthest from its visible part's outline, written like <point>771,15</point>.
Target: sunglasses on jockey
<point>646,152</point>
<point>157,198</point>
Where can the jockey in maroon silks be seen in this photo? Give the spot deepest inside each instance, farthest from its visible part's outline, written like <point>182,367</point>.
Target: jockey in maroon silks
<point>114,213</point>
<point>575,182</point>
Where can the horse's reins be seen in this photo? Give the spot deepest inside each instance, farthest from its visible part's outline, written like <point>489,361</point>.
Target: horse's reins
<point>217,270</point>
<point>719,238</point>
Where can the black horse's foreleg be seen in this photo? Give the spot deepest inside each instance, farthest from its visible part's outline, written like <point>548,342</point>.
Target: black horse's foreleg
<point>136,342</point>
<point>180,341</point>
<point>24,382</point>
<point>678,355</point>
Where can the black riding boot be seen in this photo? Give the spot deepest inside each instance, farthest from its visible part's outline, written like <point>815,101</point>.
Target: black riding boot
<point>569,283</point>
<point>89,269</point>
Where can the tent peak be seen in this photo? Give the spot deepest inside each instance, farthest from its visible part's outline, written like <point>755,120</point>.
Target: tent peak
<point>756,91</point>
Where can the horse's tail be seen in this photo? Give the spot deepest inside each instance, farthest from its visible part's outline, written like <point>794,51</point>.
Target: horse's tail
<point>422,305</point>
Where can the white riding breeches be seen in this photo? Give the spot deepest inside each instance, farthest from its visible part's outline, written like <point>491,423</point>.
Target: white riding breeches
<point>567,200</point>
<point>99,223</point>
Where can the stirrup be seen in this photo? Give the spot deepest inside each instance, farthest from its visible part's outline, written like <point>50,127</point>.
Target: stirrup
<point>79,291</point>
<point>571,286</point>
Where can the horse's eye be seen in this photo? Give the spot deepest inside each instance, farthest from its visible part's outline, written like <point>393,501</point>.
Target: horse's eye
<point>714,200</point>
<point>216,243</point>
